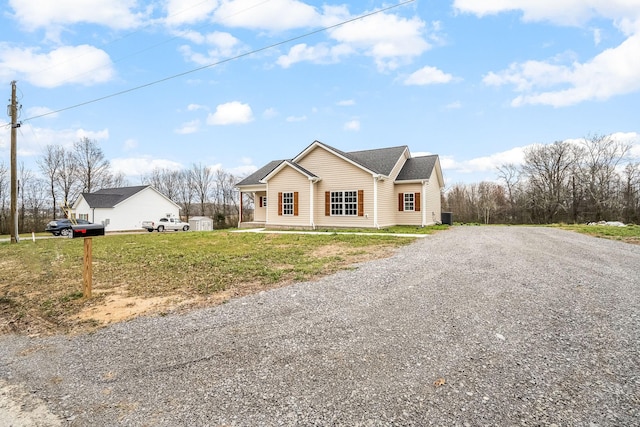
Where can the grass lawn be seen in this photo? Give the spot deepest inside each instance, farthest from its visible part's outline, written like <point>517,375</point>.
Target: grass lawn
<point>628,234</point>
<point>40,290</point>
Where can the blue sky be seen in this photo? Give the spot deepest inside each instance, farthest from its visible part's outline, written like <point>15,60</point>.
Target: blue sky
<point>473,81</point>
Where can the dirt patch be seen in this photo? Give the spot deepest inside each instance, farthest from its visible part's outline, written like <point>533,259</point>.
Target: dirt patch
<point>118,307</point>
<point>35,311</point>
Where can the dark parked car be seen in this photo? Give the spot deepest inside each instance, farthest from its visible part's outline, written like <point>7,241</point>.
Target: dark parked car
<point>63,226</point>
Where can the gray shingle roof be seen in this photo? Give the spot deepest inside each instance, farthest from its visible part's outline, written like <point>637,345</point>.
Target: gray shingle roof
<point>303,170</point>
<point>254,178</point>
<point>381,160</point>
<point>378,160</point>
<point>110,197</point>
<point>417,168</point>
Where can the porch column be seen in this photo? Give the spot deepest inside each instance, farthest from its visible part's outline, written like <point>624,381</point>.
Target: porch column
<point>375,201</point>
<point>240,210</point>
<point>423,202</point>
<point>311,199</point>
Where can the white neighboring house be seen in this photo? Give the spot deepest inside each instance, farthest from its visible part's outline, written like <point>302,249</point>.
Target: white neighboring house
<point>124,208</point>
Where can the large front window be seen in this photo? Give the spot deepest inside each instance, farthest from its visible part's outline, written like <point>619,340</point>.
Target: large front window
<point>344,203</point>
<point>287,203</point>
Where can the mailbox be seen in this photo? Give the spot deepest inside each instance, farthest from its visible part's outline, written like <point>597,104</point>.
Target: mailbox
<point>87,230</point>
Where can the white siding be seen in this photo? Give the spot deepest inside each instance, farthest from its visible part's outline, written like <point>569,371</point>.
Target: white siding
<point>388,197</point>
<point>147,204</point>
<point>338,175</point>
<point>288,180</point>
<point>408,217</point>
<point>434,207</point>
<point>260,212</point>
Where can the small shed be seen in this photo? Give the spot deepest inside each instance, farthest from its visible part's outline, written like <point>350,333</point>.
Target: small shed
<point>200,223</point>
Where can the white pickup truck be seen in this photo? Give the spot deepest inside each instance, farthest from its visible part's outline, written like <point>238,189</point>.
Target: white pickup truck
<point>165,224</point>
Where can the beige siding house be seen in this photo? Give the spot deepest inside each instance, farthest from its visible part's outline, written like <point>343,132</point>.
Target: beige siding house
<point>325,187</point>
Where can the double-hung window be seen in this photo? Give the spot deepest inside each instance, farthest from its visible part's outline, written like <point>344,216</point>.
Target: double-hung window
<point>409,201</point>
<point>287,203</point>
<point>344,203</point>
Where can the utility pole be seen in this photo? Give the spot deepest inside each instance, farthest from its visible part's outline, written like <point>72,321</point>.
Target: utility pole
<point>13,112</point>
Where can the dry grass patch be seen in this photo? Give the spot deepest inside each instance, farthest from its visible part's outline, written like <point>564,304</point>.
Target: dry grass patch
<point>40,290</point>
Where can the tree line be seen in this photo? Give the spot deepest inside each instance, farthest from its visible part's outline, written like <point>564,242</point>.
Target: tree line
<point>64,173</point>
<point>566,181</point>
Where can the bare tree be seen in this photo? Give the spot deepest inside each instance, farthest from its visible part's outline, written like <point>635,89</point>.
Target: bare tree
<point>599,175</point>
<point>547,169</point>
<point>631,193</point>
<point>201,178</point>
<point>509,175</point>
<point>50,164</point>
<point>93,167</point>
<point>67,177</point>
<point>166,181</point>
<point>4,199</point>
<point>35,198</point>
<point>186,192</point>
<point>24,179</point>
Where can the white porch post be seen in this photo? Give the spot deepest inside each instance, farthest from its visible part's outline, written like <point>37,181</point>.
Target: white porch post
<point>423,203</point>
<point>375,201</point>
<point>311,199</point>
<point>240,211</point>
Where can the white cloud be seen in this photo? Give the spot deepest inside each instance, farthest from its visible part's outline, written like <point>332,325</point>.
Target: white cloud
<point>321,53</point>
<point>346,103</point>
<point>484,163</point>
<point>231,113</point>
<point>427,76</point>
<point>389,39</point>
<point>243,170</point>
<point>138,166</point>
<point>189,127</point>
<point>181,12</point>
<point>612,72</point>
<point>270,113</point>
<point>292,119</point>
<point>52,15</point>
<point>41,111</point>
<point>566,12</point>
<point>453,105</point>
<point>33,140</point>
<point>82,64</point>
<point>196,107</point>
<point>597,36</point>
<point>219,45</point>
<point>352,125</point>
<point>130,145</point>
<point>274,15</point>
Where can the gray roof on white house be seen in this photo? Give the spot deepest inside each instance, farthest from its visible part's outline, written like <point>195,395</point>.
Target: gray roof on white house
<point>110,197</point>
<point>417,168</point>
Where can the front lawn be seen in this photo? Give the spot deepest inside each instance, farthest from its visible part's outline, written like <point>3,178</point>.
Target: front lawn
<point>41,285</point>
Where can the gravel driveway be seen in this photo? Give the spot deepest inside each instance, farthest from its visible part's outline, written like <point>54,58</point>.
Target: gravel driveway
<point>473,326</point>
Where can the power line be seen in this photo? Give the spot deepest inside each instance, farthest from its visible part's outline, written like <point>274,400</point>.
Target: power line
<point>148,48</point>
<point>242,55</point>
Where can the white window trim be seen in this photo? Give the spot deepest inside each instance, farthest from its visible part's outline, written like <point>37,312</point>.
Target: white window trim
<point>288,204</point>
<point>411,202</point>
<point>343,203</point>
